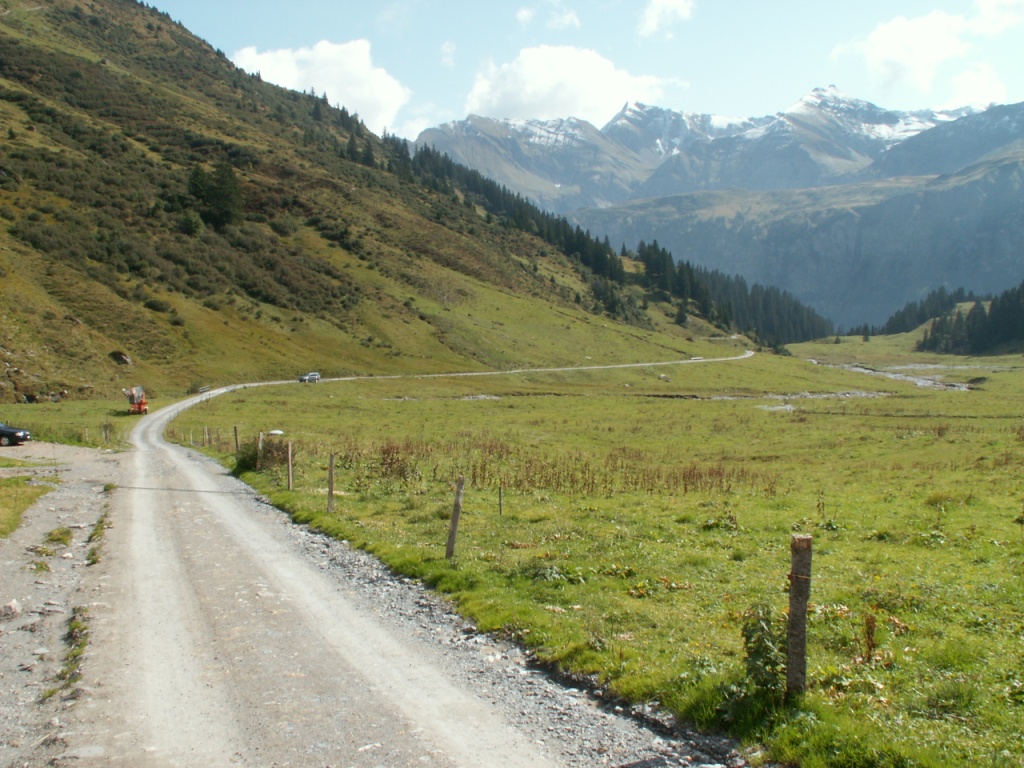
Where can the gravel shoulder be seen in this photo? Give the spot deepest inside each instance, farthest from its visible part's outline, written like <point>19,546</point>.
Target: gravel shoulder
<point>222,634</point>
<point>38,591</point>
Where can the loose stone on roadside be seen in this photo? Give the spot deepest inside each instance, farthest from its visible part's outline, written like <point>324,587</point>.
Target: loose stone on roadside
<point>574,720</point>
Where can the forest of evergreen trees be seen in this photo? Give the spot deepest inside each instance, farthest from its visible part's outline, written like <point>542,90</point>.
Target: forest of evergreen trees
<point>915,313</point>
<point>979,330</point>
<point>770,315</point>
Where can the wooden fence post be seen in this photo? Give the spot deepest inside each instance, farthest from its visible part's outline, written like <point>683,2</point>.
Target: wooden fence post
<point>456,514</point>
<point>799,594</point>
<point>236,438</point>
<point>289,465</point>
<point>330,485</point>
<point>259,451</point>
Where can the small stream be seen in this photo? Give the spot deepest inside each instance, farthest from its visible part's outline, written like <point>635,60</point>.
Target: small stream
<point>931,382</point>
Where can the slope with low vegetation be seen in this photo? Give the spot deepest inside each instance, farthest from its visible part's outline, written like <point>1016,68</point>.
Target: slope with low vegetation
<point>164,209</point>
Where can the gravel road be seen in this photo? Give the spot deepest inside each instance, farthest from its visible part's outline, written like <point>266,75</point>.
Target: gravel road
<point>221,634</point>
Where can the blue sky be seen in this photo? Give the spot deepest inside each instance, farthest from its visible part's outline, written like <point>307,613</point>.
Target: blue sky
<point>405,65</point>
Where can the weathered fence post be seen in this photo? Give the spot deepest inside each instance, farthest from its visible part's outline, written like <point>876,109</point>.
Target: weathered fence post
<point>236,438</point>
<point>259,451</point>
<point>799,594</point>
<point>330,484</point>
<point>456,514</point>
<point>289,465</point>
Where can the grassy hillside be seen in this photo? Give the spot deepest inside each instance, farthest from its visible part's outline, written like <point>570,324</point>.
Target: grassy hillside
<point>335,263</point>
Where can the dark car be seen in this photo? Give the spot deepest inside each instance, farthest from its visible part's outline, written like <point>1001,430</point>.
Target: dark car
<point>13,435</point>
<point>312,377</point>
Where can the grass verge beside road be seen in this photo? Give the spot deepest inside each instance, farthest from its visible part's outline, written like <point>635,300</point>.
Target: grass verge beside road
<point>88,423</point>
<point>16,495</point>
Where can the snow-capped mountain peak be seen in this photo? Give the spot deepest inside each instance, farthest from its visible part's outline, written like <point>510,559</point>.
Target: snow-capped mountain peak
<point>862,118</point>
<point>824,138</point>
<point>663,131</point>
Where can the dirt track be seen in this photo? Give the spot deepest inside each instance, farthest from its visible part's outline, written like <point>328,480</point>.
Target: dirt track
<point>223,635</point>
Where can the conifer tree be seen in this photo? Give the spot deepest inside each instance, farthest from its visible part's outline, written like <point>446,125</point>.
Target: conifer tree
<point>224,202</point>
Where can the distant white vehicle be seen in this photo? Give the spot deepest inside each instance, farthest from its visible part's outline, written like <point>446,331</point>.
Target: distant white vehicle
<point>311,378</point>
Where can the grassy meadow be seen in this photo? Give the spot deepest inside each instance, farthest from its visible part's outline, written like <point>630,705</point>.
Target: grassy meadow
<point>631,523</point>
<point>90,423</point>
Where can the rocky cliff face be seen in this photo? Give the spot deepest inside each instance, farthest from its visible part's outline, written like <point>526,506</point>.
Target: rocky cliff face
<point>854,261</point>
<point>954,145</point>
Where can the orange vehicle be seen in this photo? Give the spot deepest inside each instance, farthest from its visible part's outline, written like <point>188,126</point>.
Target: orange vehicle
<point>137,402</point>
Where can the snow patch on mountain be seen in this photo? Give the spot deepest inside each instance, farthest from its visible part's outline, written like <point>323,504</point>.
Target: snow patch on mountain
<point>824,138</point>
<point>550,133</point>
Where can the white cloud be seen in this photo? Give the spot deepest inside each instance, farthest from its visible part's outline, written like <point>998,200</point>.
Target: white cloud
<point>977,86</point>
<point>558,16</point>
<point>343,71</point>
<point>417,118</point>
<point>563,19</point>
<point>448,54</point>
<point>994,17</point>
<point>910,51</point>
<point>560,81</point>
<point>660,13</point>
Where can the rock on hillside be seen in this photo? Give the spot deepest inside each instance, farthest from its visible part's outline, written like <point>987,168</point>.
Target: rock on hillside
<point>955,145</point>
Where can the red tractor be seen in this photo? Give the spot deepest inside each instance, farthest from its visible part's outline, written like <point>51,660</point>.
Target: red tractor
<point>137,402</point>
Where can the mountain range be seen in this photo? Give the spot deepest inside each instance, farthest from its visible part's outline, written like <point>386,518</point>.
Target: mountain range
<point>644,151</point>
<point>170,220</point>
<point>843,203</point>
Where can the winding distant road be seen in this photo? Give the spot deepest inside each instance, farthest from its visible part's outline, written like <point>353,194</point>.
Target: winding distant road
<point>217,641</point>
<point>514,371</point>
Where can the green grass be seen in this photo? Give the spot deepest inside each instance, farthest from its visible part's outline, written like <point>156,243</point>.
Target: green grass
<point>77,642</point>
<point>88,423</point>
<point>644,511</point>
<point>97,534</point>
<point>16,495</point>
<point>61,536</point>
